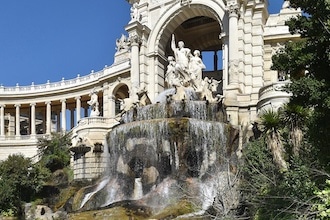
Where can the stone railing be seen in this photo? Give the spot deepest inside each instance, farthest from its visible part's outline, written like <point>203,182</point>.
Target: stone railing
<point>273,89</point>
<point>54,85</point>
<point>108,122</point>
<point>63,84</point>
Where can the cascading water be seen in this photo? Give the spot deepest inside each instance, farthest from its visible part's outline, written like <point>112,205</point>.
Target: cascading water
<point>164,152</point>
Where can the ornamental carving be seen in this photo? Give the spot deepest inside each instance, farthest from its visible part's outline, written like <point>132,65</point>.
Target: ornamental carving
<point>185,2</point>
<point>122,44</point>
<point>233,8</point>
<point>134,38</point>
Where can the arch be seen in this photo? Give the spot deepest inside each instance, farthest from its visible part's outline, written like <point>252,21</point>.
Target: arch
<point>176,15</point>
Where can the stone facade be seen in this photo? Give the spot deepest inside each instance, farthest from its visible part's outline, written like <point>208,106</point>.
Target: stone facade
<point>243,30</point>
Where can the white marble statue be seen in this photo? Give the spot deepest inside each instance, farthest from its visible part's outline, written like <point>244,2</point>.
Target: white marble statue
<point>196,67</point>
<point>208,89</point>
<point>94,103</point>
<point>286,4</point>
<point>122,44</point>
<point>135,12</point>
<point>182,56</point>
<point>171,76</point>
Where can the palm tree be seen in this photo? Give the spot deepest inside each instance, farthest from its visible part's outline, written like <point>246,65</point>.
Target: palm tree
<point>295,117</point>
<point>271,122</point>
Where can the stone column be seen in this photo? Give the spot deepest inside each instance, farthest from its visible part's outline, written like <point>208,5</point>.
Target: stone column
<point>233,10</point>
<point>2,120</point>
<point>48,117</point>
<point>17,120</point>
<point>112,106</point>
<point>63,118</point>
<point>33,118</point>
<point>78,108</point>
<point>135,65</point>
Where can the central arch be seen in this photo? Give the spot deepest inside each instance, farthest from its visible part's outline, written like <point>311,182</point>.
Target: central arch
<point>199,25</point>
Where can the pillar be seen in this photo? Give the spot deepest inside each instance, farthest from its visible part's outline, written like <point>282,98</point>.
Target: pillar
<point>135,65</point>
<point>33,118</point>
<point>63,118</point>
<point>78,108</point>
<point>112,106</point>
<point>48,117</point>
<point>233,10</point>
<point>17,120</point>
<point>2,120</point>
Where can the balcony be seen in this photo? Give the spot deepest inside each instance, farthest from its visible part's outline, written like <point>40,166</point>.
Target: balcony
<point>273,96</point>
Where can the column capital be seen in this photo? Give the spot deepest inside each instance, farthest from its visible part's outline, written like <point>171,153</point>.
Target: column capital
<point>77,97</point>
<point>135,40</point>
<point>2,105</point>
<point>33,104</point>
<point>233,8</point>
<point>48,102</point>
<point>63,100</point>
<point>17,105</point>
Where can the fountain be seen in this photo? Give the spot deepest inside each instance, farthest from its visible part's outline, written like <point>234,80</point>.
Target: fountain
<point>178,149</point>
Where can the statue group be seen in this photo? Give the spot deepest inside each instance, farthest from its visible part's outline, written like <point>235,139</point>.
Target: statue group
<point>185,70</point>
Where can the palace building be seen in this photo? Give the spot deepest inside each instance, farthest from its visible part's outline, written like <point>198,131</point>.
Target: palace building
<point>239,34</point>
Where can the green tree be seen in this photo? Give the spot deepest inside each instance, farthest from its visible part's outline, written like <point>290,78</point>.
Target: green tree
<point>308,63</point>
<point>54,151</point>
<point>322,205</point>
<point>295,118</point>
<point>20,180</point>
<point>271,123</point>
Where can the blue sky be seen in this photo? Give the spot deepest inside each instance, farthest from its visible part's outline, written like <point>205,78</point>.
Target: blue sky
<point>44,40</point>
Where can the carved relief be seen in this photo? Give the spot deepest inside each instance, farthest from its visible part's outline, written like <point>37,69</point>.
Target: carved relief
<point>185,2</point>
<point>233,71</point>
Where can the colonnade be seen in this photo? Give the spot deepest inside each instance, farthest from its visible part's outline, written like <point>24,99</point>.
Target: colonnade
<point>53,117</point>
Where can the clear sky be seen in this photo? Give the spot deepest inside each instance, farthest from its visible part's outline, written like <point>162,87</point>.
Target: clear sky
<point>44,40</point>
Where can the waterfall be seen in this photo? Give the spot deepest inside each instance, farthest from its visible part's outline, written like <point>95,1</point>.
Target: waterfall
<point>162,151</point>
<point>138,192</point>
<point>97,189</point>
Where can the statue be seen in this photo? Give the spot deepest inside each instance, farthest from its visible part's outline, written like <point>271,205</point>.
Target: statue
<point>182,56</point>
<point>135,12</point>
<point>208,88</point>
<point>122,43</point>
<point>171,76</point>
<point>185,70</point>
<point>286,4</point>
<point>196,67</point>
<point>94,103</point>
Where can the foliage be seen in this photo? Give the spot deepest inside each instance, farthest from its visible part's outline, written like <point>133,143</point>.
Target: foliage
<point>271,122</point>
<point>322,206</point>
<point>20,181</point>
<point>54,151</point>
<point>295,117</point>
<point>308,63</point>
<point>270,193</point>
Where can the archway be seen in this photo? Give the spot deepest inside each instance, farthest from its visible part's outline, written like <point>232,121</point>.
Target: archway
<point>199,25</point>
